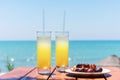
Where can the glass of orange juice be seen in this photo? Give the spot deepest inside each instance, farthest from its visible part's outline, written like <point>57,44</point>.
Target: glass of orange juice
<point>43,52</point>
<point>62,50</point>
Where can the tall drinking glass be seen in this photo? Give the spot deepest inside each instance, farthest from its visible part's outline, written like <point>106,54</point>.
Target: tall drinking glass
<point>43,52</point>
<point>62,50</point>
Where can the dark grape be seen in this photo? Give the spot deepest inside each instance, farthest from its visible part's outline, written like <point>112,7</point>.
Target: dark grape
<point>86,69</point>
<point>79,70</point>
<point>86,65</point>
<point>99,69</point>
<point>79,65</point>
<point>90,70</point>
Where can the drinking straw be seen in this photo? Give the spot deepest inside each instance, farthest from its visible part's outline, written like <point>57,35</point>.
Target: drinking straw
<point>64,21</point>
<point>43,14</point>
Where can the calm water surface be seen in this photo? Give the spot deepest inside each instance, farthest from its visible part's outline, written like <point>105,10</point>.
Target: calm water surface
<point>24,52</point>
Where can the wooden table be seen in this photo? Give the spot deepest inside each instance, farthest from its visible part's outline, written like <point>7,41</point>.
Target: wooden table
<point>30,73</point>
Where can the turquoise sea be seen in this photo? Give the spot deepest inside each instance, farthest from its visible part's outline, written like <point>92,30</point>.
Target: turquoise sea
<point>86,51</point>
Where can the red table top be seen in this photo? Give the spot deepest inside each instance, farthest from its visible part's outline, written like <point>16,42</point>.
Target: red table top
<point>30,73</point>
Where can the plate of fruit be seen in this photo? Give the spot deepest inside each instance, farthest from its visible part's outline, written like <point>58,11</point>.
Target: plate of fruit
<point>87,69</point>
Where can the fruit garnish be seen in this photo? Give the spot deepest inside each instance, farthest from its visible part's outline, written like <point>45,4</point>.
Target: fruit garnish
<point>87,68</point>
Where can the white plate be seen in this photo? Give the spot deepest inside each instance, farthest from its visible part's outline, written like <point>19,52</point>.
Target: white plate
<point>88,73</point>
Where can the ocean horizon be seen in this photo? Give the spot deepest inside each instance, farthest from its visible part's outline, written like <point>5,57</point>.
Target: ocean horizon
<point>23,52</point>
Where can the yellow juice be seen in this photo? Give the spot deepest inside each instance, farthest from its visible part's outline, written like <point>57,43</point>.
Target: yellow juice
<point>43,52</point>
<point>62,51</point>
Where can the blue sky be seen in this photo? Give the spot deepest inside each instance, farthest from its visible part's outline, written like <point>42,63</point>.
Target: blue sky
<point>85,19</point>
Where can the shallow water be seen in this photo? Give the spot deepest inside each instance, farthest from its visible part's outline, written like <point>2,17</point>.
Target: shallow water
<point>23,53</point>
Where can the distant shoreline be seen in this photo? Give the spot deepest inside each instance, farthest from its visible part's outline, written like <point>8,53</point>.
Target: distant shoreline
<point>54,40</point>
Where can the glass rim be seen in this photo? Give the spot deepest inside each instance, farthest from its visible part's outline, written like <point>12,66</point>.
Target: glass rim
<point>43,31</point>
<point>61,31</point>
